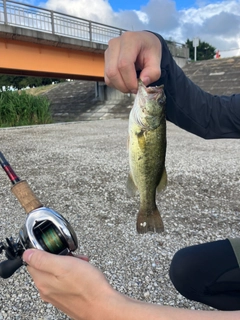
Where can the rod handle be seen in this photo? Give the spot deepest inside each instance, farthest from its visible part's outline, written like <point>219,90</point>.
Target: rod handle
<point>25,196</point>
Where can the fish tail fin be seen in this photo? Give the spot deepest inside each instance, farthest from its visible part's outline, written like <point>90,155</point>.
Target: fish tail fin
<point>149,222</point>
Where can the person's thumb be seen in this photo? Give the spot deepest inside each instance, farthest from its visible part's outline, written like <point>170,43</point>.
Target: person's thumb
<point>27,255</point>
<point>41,260</point>
<point>48,262</point>
<point>150,75</point>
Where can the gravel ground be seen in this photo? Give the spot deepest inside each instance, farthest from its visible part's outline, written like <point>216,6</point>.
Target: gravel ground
<point>80,170</point>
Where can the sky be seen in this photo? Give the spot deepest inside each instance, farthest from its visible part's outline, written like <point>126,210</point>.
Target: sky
<point>214,21</point>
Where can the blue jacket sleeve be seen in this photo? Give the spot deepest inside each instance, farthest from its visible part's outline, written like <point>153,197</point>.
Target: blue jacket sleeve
<point>193,109</point>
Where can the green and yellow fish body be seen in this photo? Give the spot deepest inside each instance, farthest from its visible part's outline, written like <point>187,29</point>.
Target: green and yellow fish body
<point>147,150</point>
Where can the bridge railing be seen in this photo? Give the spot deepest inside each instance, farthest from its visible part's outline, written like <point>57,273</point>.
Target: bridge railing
<point>35,18</point>
<point>31,17</point>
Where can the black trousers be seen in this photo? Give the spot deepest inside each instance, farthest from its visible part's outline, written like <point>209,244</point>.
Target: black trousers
<point>208,273</point>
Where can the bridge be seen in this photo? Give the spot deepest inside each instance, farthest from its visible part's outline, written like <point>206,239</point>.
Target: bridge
<point>38,42</point>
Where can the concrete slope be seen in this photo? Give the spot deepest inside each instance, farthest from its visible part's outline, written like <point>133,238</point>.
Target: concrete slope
<point>216,76</point>
<point>76,100</point>
<point>70,99</point>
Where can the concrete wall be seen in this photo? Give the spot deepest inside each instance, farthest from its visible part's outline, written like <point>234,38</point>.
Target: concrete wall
<point>105,93</point>
<point>181,62</point>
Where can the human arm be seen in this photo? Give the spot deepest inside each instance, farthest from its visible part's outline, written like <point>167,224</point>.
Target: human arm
<point>82,292</point>
<point>188,106</point>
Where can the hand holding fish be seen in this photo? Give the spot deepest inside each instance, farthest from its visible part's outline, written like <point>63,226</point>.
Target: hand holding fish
<point>130,52</point>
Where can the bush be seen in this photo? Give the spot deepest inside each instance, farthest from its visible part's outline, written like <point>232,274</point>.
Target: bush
<point>19,109</point>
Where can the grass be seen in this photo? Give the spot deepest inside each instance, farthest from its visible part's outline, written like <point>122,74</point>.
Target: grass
<point>19,109</point>
<point>42,89</point>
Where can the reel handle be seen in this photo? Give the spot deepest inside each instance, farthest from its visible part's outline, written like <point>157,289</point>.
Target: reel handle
<point>8,267</point>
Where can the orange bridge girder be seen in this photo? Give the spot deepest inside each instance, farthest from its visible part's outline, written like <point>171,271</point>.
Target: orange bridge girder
<point>36,59</point>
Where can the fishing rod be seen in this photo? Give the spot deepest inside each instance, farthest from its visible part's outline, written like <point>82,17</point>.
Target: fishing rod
<point>44,228</point>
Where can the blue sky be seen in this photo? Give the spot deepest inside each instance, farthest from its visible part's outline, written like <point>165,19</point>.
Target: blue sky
<point>214,21</point>
<point>136,4</point>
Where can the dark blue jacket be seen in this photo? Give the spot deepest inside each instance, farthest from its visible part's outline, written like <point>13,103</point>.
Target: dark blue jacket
<point>189,107</point>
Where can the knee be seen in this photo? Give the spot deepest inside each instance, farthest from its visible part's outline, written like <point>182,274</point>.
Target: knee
<point>182,270</point>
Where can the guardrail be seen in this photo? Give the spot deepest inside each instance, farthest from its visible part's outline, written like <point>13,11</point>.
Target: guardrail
<point>178,49</point>
<point>35,18</point>
<point>31,17</point>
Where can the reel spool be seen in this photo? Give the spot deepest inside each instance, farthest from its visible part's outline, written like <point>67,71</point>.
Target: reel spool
<point>47,230</point>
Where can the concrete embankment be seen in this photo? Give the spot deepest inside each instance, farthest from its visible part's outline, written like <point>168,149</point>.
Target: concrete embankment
<point>87,100</point>
<point>80,100</point>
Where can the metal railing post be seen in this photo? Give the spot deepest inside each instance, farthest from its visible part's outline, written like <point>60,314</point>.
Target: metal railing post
<point>5,11</point>
<point>90,31</point>
<point>52,22</point>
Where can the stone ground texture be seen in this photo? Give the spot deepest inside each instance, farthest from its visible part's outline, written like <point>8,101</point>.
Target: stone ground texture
<point>80,170</point>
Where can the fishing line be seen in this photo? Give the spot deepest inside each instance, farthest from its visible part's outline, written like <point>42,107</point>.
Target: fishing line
<point>50,238</point>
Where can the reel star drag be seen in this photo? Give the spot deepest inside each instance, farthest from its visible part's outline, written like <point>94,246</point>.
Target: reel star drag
<point>44,228</point>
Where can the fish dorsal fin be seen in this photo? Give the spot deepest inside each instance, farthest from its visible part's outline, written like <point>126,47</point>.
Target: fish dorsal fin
<point>131,187</point>
<point>163,182</point>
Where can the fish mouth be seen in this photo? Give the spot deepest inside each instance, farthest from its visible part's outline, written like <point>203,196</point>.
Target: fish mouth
<point>151,93</point>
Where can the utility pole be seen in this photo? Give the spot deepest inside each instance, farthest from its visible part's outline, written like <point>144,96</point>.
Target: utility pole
<point>195,45</point>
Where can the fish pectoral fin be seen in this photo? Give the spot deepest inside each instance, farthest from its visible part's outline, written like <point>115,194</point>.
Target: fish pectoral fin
<point>149,222</point>
<point>131,187</point>
<point>163,182</point>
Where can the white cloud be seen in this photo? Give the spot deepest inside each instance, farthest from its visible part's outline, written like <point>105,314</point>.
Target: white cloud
<point>218,24</point>
<point>142,16</point>
<point>99,11</point>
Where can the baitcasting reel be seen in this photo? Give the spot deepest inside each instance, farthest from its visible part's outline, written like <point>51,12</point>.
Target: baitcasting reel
<point>44,228</point>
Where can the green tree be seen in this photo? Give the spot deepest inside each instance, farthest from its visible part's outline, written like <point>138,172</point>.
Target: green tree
<point>19,82</point>
<point>204,51</point>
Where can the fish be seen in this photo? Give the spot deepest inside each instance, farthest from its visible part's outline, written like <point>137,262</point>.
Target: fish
<point>147,145</point>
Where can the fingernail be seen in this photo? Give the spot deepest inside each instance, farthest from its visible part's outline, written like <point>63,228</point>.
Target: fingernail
<point>27,255</point>
<point>146,80</point>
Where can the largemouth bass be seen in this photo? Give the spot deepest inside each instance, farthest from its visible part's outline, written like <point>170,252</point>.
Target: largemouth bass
<point>147,150</point>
